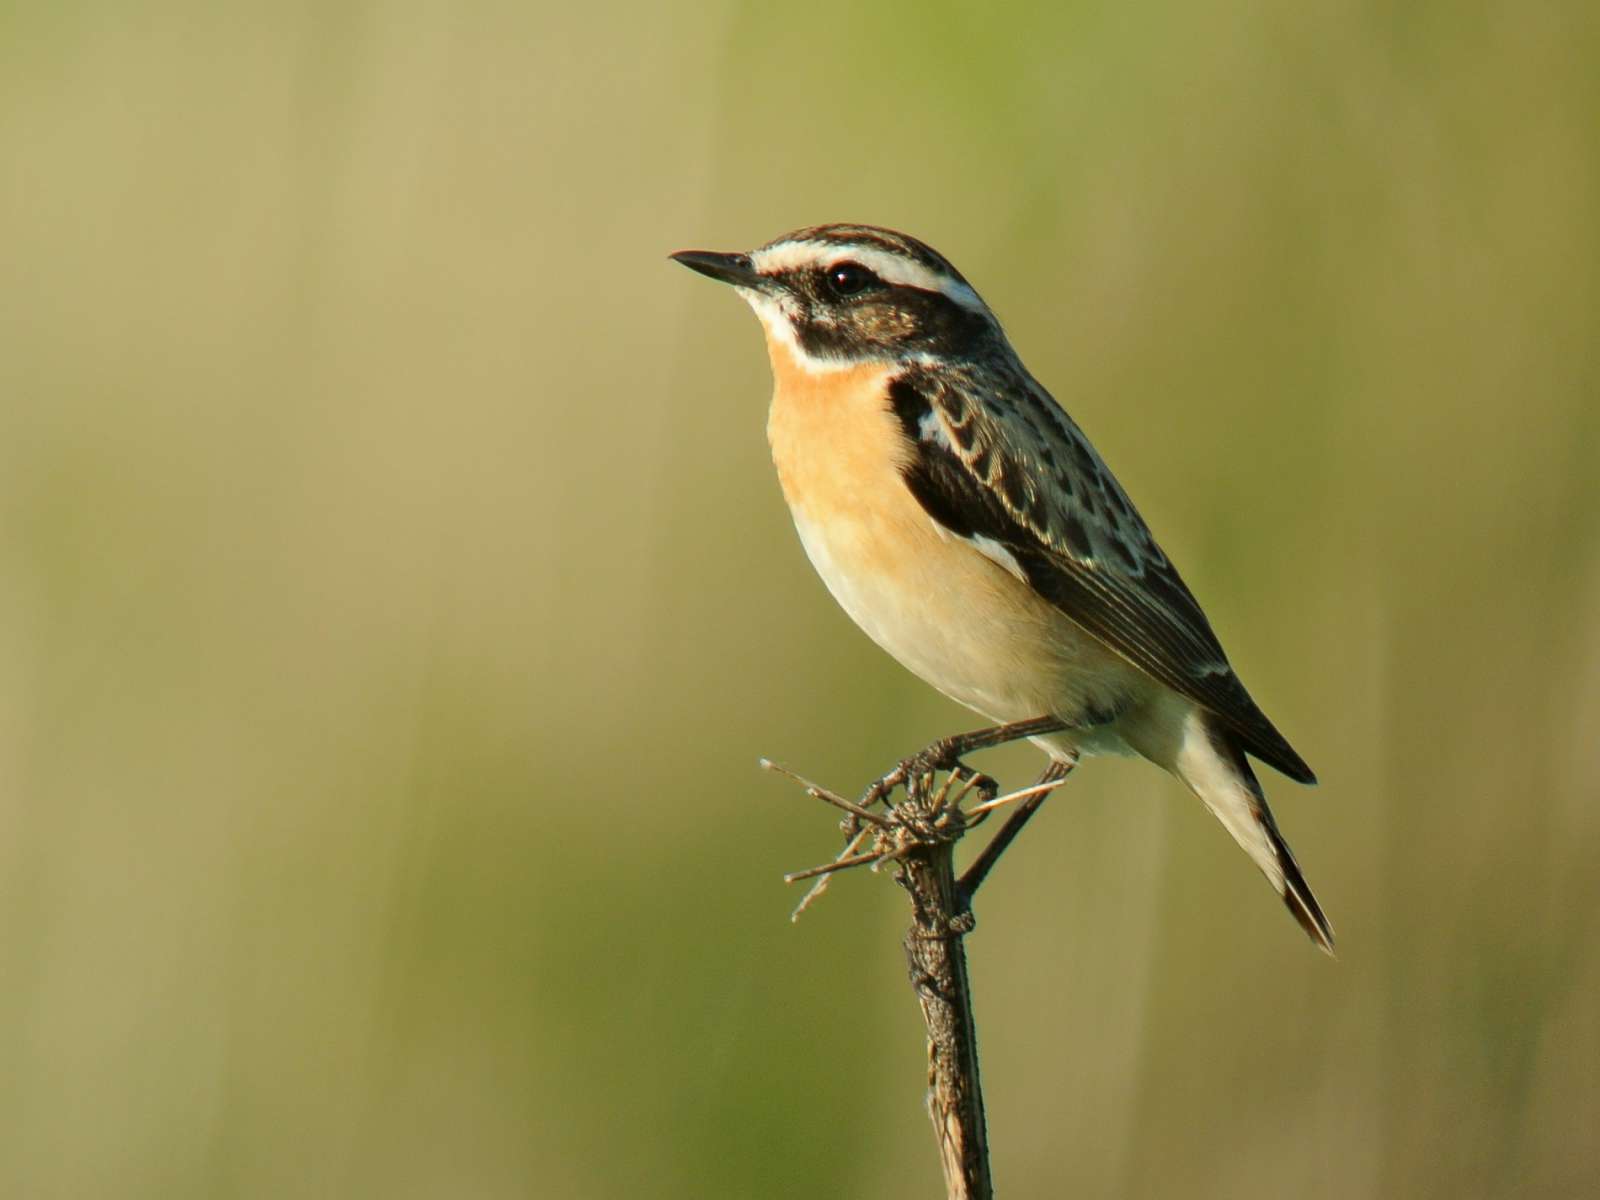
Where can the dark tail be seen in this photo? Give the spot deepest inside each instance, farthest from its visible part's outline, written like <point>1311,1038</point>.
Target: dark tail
<point>1297,894</point>
<point>1211,761</point>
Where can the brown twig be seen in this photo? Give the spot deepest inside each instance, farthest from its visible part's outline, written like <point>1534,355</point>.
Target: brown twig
<point>937,961</point>
<point>842,863</point>
<point>920,837</point>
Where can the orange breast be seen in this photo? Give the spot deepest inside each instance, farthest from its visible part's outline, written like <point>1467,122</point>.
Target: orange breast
<point>834,440</point>
<point>933,601</point>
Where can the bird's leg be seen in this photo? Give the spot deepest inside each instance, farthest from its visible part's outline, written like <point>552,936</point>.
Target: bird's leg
<point>929,814</point>
<point>946,755</point>
<point>974,876</point>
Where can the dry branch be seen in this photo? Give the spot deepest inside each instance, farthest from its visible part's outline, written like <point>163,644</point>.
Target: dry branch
<point>919,837</point>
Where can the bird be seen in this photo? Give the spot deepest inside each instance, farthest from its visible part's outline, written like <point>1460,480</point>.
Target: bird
<point>962,519</point>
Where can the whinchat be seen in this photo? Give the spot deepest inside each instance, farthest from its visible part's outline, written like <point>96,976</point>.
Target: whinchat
<point>962,519</point>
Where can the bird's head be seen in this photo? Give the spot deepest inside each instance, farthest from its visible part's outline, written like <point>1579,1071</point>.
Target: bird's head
<point>837,296</point>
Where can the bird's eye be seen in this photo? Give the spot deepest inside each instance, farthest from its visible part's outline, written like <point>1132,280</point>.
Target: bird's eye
<point>849,279</point>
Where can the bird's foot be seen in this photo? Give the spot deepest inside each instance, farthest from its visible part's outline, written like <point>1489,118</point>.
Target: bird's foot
<point>932,811</point>
<point>916,775</point>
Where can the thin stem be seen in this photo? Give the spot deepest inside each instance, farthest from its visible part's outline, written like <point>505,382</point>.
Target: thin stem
<point>937,961</point>
<point>920,835</point>
<point>822,793</point>
<point>821,885</point>
<point>838,864</point>
<point>980,811</point>
<point>1053,774</point>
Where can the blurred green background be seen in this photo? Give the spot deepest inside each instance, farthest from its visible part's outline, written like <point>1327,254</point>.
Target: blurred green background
<point>395,598</point>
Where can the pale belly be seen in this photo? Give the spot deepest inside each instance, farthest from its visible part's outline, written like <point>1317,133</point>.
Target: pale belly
<point>963,623</point>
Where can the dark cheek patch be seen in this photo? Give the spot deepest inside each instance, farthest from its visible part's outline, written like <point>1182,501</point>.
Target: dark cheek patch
<point>890,321</point>
<point>942,324</point>
<point>882,325</point>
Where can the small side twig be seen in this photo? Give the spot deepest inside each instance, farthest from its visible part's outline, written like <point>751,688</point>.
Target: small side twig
<point>919,836</point>
<point>842,863</point>
<point>822,793</point>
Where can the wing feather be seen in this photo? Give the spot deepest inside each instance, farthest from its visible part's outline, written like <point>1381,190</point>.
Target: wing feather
<point>1016,472</point>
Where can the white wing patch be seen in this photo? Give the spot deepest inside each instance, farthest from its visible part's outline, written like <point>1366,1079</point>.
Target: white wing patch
<point>996,553</point>
<point>986,546</point>
<point>932,429</point>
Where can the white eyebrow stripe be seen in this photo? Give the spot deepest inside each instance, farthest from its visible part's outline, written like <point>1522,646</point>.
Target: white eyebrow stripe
<point>792,256</point>
<point>891,268</point>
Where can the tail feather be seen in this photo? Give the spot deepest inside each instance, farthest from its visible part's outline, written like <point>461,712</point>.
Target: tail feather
<point>1297,897</point>
<point>1212,763</point>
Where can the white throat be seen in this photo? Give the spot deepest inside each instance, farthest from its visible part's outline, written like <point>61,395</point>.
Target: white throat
<point>775,318</point>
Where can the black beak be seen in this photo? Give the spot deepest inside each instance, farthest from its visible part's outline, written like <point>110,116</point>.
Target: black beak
<point>729,268</point>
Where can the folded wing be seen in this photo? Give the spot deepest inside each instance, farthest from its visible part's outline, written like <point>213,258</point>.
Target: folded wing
<point>1018,472</point>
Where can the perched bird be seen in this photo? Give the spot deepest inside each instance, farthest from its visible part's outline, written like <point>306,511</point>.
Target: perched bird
<point>963,520</point>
